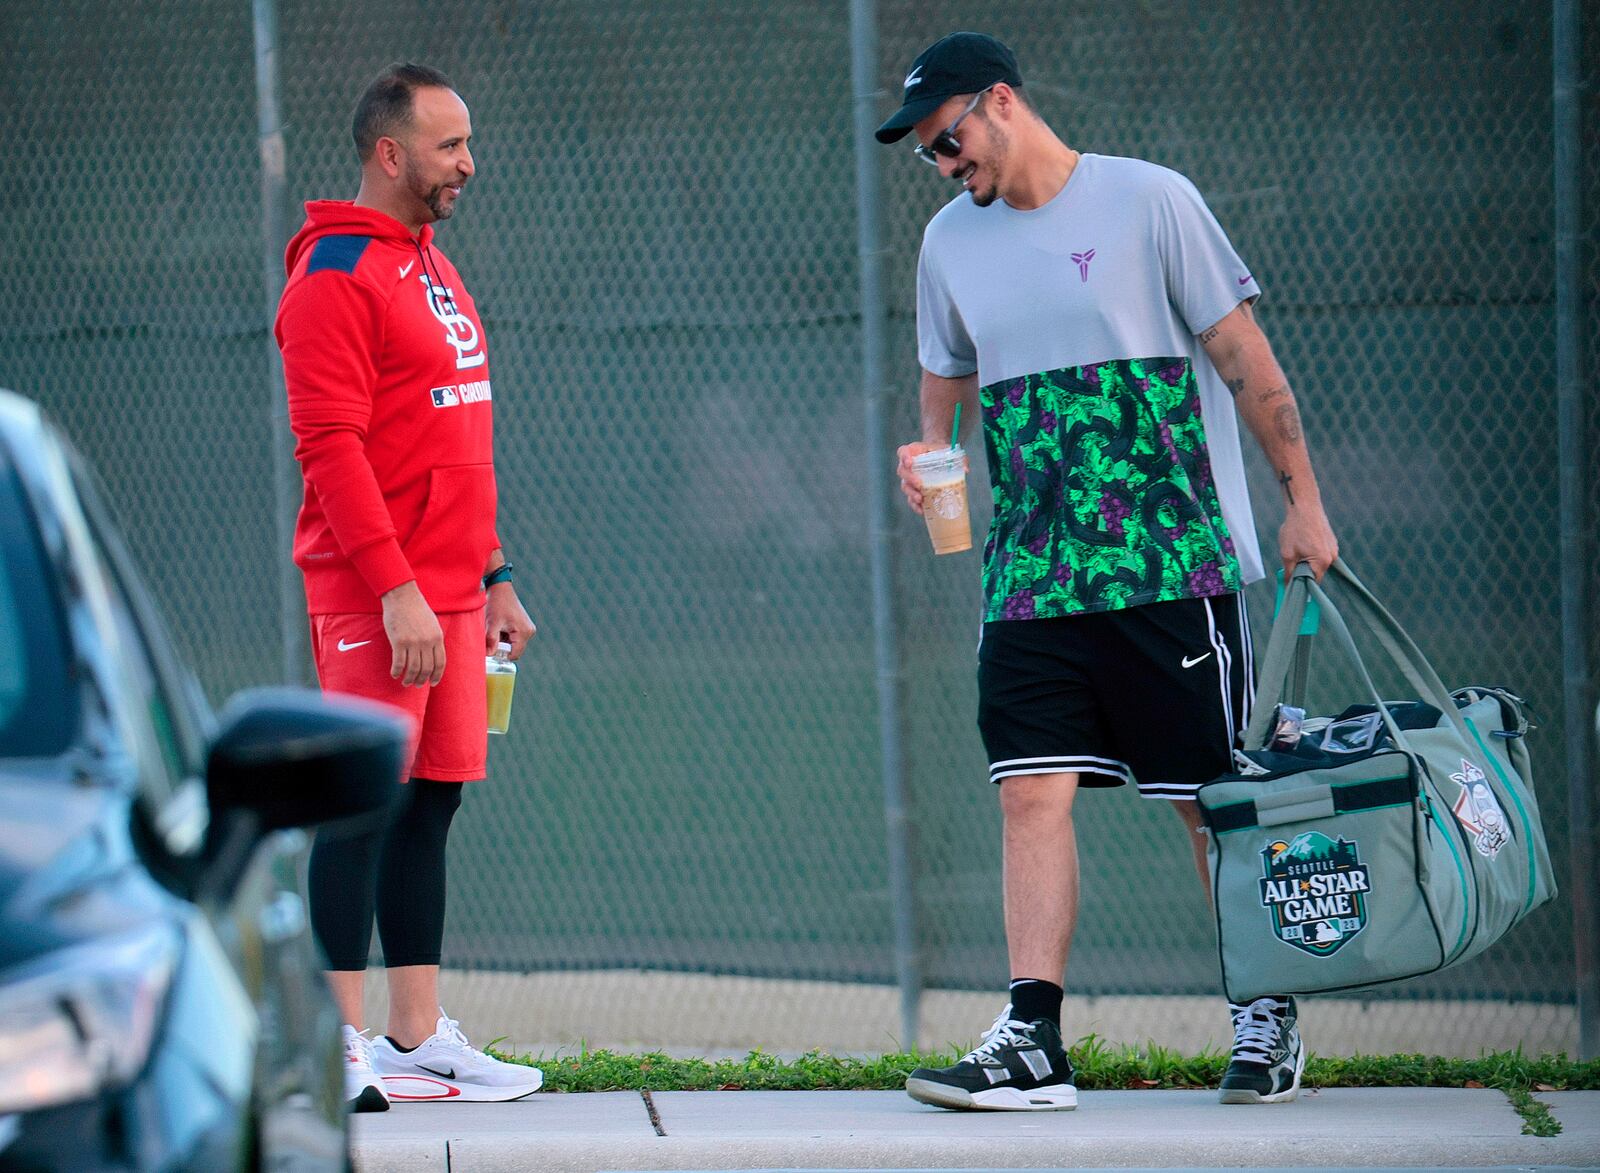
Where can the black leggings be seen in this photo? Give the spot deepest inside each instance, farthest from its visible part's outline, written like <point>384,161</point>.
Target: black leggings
<point>399,868</point>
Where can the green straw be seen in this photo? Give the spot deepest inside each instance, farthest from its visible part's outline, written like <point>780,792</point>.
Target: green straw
<point>955,426</point>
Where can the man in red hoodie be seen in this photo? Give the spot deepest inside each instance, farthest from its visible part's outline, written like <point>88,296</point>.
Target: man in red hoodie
<point>388,380</point>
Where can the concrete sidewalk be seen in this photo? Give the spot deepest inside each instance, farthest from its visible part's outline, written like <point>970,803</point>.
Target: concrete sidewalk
<point>1334,1128</point>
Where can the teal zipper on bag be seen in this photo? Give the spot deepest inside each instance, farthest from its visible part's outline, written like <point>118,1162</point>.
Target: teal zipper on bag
<point>1461,871</point>
<point>1527,829</point>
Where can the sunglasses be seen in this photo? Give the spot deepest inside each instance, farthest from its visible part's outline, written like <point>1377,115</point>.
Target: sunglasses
<point>945,142</point>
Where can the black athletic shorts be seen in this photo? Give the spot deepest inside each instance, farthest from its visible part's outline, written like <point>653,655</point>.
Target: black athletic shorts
<point>1158,694</point>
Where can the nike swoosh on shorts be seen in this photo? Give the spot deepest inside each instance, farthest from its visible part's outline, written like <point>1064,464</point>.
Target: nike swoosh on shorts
<point>347,647</point>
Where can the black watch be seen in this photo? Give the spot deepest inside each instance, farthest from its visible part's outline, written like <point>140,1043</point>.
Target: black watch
<point>501,573</point>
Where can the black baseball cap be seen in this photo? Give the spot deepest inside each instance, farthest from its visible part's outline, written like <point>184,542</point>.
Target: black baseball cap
<point>962,63</point>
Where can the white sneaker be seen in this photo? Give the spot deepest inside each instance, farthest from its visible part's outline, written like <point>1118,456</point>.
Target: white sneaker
<point>363,1090</point>
<point>447,1067</point>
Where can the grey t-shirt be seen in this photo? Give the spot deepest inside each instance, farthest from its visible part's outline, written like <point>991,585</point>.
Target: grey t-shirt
<point>1112,442</point>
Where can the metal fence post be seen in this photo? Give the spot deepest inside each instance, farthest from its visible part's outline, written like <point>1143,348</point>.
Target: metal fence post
<point>890,677</point>
<point>1575,628</point>
<point>274,238</point>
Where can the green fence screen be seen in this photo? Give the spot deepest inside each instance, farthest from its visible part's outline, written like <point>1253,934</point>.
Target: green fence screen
<point>662,240</point>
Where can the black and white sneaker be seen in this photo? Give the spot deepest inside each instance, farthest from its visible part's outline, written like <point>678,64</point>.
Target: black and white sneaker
<point>1018,1067</point>
<point>1268,1056</point>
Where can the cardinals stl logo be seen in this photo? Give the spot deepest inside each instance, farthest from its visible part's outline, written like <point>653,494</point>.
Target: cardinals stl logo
<point>1082,261</point>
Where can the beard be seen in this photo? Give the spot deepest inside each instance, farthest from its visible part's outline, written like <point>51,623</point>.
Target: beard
<point>999,152</point>
<point>431,195</point>
<point>981,197</point>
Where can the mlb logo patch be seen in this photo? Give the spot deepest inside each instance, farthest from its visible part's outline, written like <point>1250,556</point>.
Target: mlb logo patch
<point>1315,890</point>
<point>445,397</point>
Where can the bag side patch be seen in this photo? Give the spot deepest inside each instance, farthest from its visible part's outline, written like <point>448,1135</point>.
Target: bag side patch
<point>1477,809</point>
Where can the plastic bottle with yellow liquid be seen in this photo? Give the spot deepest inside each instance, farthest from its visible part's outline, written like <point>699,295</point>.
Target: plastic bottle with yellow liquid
<point>501,676</point>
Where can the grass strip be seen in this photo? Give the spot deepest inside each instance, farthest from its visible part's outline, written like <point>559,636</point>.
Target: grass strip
<point>1536,1117</point>
<point>1099,1067</point>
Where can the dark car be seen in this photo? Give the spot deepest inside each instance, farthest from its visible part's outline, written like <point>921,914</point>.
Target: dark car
<point>161,999</point>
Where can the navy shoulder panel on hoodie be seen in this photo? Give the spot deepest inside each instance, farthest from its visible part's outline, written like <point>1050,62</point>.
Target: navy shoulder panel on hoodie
<point>337,252</point>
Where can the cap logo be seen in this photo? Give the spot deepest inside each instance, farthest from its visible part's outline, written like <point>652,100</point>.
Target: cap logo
<point>914,78</point>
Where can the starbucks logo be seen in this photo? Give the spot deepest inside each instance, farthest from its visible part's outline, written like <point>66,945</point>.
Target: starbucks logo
<point>945,503</point>
<point>1316,892</point>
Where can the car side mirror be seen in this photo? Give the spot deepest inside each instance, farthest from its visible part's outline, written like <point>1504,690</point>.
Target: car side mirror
<point>286,757</point>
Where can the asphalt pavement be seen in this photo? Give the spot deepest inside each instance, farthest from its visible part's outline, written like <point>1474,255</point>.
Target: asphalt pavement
<point>1337,1128</point>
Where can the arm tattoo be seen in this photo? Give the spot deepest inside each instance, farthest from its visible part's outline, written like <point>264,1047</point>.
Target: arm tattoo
<point>1277,392</point>
<point>1236,386</point>
<point>1208,335</point>
<point>1288,420</point>
<point>1283,479</point>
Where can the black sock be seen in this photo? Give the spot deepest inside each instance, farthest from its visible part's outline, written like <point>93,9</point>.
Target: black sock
<point>398,1047</point>
<point>1032,999</point>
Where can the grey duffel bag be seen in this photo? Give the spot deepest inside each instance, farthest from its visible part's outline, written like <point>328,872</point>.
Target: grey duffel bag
<point>1389,841</point>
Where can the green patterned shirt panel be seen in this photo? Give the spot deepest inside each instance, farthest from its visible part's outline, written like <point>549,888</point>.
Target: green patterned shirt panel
<point>1103,492</point>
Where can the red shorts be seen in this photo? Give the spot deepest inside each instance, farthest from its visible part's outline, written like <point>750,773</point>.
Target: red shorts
<point>449,720</point>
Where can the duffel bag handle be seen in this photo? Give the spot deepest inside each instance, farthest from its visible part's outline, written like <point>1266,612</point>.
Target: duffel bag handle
<point>1281,649</point>
<point>1402,651</point>
<point>1277,659</point>
<point>1280,656</point>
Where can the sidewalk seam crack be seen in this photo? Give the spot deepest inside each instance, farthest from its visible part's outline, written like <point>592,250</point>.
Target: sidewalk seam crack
<point>650,1108</point>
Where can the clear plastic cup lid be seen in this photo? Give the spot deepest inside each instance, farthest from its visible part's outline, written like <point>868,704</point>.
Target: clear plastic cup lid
<point>938,457</point>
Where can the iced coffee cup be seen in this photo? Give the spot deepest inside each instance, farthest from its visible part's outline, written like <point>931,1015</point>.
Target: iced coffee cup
<point>944,498</point>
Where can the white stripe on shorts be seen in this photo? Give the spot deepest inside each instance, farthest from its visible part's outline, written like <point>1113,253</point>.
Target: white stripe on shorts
<point>1079,764</point>
<point>1176,791</point>
<point>1249,668</point>
<point>1224,658</point>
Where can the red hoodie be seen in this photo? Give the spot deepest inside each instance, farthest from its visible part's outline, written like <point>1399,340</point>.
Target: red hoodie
<point>388,380</point>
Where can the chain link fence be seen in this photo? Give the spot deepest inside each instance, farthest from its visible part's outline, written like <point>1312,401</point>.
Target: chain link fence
<point>662,240</point>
